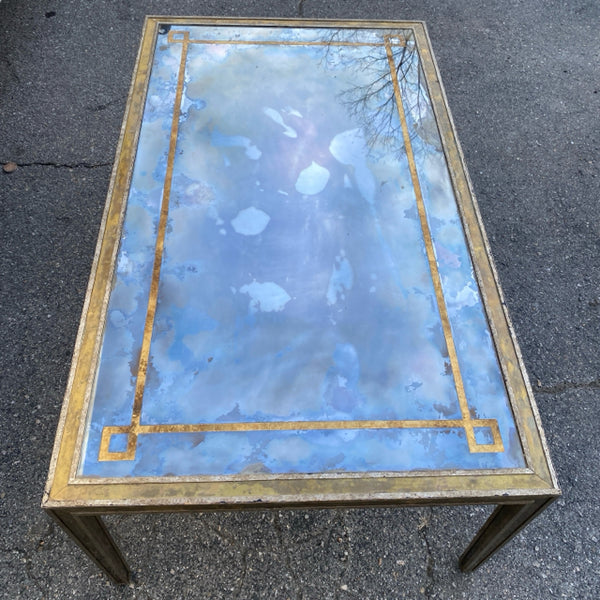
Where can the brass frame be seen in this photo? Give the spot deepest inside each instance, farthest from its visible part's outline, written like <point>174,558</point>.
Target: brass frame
<point>77,502</point>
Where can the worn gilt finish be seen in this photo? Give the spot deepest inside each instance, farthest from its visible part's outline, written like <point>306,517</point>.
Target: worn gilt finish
<point>81,484</point>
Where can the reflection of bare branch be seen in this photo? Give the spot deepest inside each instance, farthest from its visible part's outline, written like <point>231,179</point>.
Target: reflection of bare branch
<point>373,104</point>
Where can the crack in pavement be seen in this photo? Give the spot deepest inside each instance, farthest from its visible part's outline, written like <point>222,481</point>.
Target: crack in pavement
<point>563,386</point>
<point>224,535</point>
<point>421,530</point>
<point>102,106</point>
<point>28,567</point>
<point>11,69</point>
<point>232,541</point>
<point>85,165</point>
<point>301,8</point>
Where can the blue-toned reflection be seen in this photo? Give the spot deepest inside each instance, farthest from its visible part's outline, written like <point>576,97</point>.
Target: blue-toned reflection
<point>294,283</point>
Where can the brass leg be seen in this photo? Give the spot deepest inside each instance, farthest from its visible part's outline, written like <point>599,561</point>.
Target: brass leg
<point>506,521</point>
<point>92,536</point>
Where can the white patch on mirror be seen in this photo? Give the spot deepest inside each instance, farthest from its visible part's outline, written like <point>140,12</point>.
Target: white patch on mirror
<point>312,180</point>
<point>275,116</point>
<point>266,297</point>
<point>250,221</point>
<point>350,148</point>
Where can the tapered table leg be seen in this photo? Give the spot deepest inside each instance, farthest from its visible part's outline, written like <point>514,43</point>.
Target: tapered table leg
<point>505,522</point>
<point>92,536</point>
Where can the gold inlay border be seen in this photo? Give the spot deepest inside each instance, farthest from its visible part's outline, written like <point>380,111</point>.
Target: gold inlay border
<point>135,428</point>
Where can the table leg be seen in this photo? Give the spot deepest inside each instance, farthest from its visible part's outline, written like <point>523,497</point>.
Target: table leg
<point>92,536</point>
<point>505,522</point>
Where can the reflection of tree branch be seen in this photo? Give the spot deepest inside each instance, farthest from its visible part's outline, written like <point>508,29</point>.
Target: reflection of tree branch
<point>374,104</point>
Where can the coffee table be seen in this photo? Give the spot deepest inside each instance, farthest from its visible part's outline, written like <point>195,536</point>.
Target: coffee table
<point>292,302</point>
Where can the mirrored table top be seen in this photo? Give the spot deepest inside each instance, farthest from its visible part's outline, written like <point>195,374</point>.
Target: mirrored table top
<point>293,290</point>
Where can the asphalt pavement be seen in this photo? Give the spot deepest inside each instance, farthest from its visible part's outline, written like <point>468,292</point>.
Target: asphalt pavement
<point>523,84</point>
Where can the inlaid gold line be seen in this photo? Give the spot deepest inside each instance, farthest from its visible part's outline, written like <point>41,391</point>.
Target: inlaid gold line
<point>175,40</point>
<point>299,426</point>
<point>158,251</point>
<point>435,275</point>
<point>133,432</point>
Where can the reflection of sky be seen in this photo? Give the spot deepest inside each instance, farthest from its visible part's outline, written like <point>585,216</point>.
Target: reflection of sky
<point>294,282</point>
